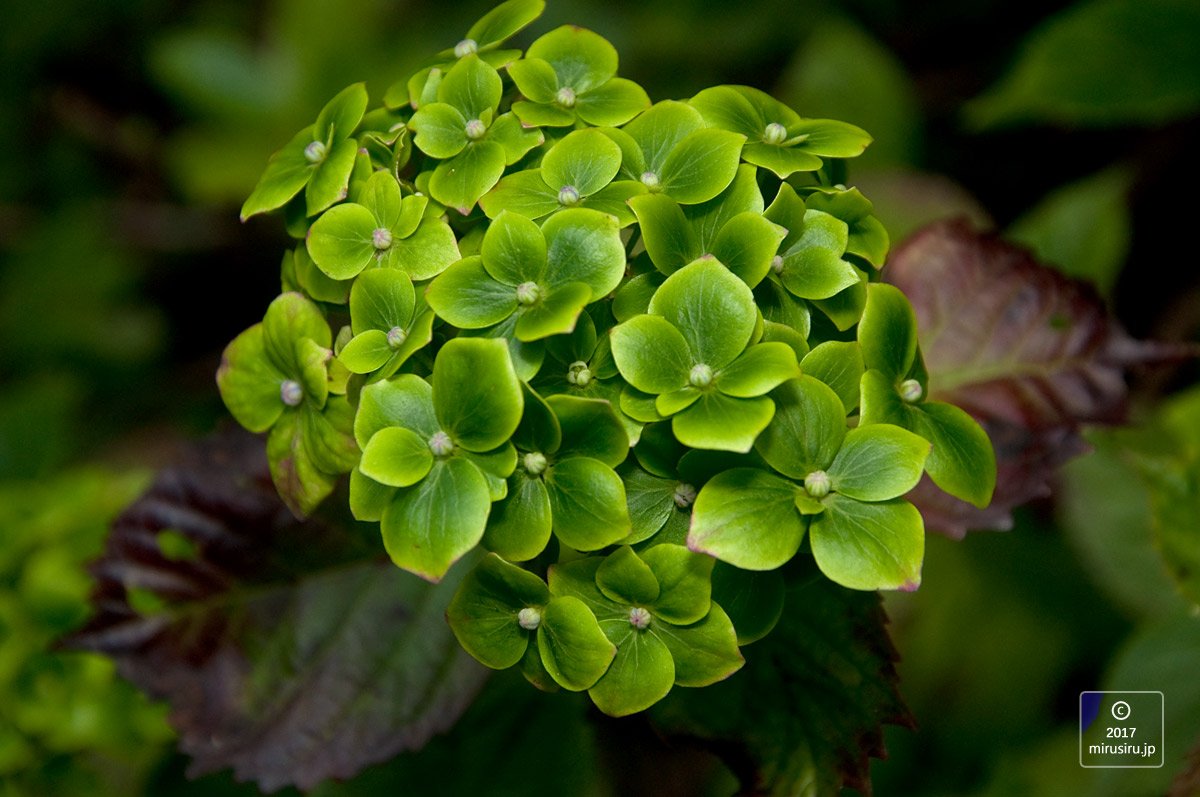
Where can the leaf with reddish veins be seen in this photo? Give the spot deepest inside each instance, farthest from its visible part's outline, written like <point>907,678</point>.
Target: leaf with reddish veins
<point>1031,354</point>
<point>290,651</point>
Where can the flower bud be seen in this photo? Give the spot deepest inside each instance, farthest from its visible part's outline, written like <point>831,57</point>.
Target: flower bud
<point>774,133</point>
<point>290,393</point>
<point>639,618</point>
<point>529,618</point>
<point>396,337</point>
<point>441,445</point>
<point>685,495</point>
<point>701,375</point>
<point>568,196</point>
<point>911,390</point>
<point>579,374</point>
<point>650,180</point>
<point>381,238</point>
<point>817,484</point>
<point>528,293</point>
<point>566,97</point>
<point>465,47</point>
<point>475,129</point>
<point>315,152</point>
<point>534,463</point>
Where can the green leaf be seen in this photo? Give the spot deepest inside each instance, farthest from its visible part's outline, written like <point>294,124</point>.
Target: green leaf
<point>505,20</point>
<point>641,674</point>
<point>713,309</point>
<point>651,354</point>
<point>624,578</point>
<point>701,166</point>
<point>462,180</point>
<point>838,364</point>
<point>381,299</point>
<point>753,600</point>
<point>477,396</point>
<point>340,241</point>
<point>582,59</point>
<point>584,246</point>
<point>524,193</point>
<point>807,430</point>
<point>405,401</point>
<point>746,244</point>
<point>704,652</point>
<point>483,612</point>
<point>396,457</point>
<point>249,383</point>
<point>286,174</point>
<point>590,428</point>
<point>723,423</point>
<point>760,369</point>
<point>574,650</point>
<point>440,130</point>
<point>962,461</point>
<point>555,313</point>
<point>869,546</point>
<point>472,86</point>
<point>586,160</point>
<point>612,104</point>
<point>466,296</point>
<point>431,525</point>
<point>813,267</point>
<point>587,499</point>
<point>535,79</point>
<point>887,333</point>
<point>519,526</point>
<point>747,517</point>
<point>330,181</point>
<point>878,462</point>
<point>1102,63</point>
<point>666,233</point>
<point>685,581</point>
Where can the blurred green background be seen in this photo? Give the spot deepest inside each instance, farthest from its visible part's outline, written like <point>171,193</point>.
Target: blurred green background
<point>131,131</point>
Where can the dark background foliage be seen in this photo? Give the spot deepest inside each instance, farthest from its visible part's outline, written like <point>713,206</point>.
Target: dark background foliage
<point>131,131</point>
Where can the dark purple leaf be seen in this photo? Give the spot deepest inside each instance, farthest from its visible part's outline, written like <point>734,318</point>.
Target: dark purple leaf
<point>1031,354</point>
<point>805,713</point>
<point>289,651</point>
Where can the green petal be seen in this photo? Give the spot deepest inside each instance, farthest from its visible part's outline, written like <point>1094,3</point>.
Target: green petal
<point>758,370</point>
<point>713,309</point>
<point>783,161</point>
<point>519,526</point>
<point>581,59</point>
<point>461,181</point>
<point>753,600</point>
<point>747,517</point>
<point>440,130</point>
<point>514,250</point>
<point>651,354</point>
<point>466,296</point>
<point>612,104</point>
<point>396,457</point>
<point>405,401</point>
<point>584,246</point>
<point>427,252</point>
<point>366,352</point>
<point>838,364</point>
<point>625,578</point>
<point>555,313</point>
<point>249,383</point>
<point>505,20</point>
<point>701,165</point>
<point>330,181</point>
<point>524,193</point>
<point>747,244</point>
<point>878,462</point>
<point>537,115</point>
<point>888,331</point>
<point>516,139</point>
<point>808,428</point>
<point>286,174</point>
<point>704,652</point>
<point>535,79</point>
<point>723,423</point>
<point>574,650</point>
<point>477,396</point>
<point>380,300</point>
<point>962,461</point>
<point>641,675</point>
<point>340,241</point>
<point>588,503</point>
<point>472,87</point>
<point>830,138</point>
<point>429,526</point>
<point>590,428</point>
<point>813,267</point>
<point>483,612</point>
<point>656,132</point>
<point>341,115</point>
<point>869,546</point>
<point>586,160</point>
<point>666,233</point>
<point>685,579</point>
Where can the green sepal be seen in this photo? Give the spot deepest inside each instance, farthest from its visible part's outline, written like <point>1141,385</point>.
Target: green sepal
<point>587,500</point>
<point>634,296</point>
<point>586,160</point>
<point>477,396</point>
<point>962,461</point>
<point>249,383</point>
<point>666,233</point>
<point>396,457</point>
<point>746,244</point>
<point>504,21</point>
<point>517,140</point>
<point>613,103</point>
<point>747,517</point>
<point>439,130</point>
<point>677,400</point>
<point>524,193</point>
<point>887,332</point>
<point>807,430</point>
<point>535,114</point>
<point>878,462</point>
<point>868,237</point>
<point>300,483</point>
<point>405,401</point>
<point>869,546</point>
<point>753,600</point>
<point>584,245</point>
<point>582,60</point>
<point>555,313</point>
<point>705,651</point>
<point>758,370</point>
<point>468,297</point>
<point>723,423</point>
<point>574,650</point>
<point>291,318</point>
<point>701,166</point>
<point>431,525</point>
<point>539,429</point>
<point>368,498</point>
<point>651,354</point>
<point>624,578</point>
<point>472,86</point>
<point>838,364</point>
<point>685,581</point>
<point>651,502</point>
<point>654,134</point>
<point>713,309</point>
<point>590,428</point>
<point>483,612</point>
<point>519,526</point>
<point>330,182</point>
<point>459,182</point>
<point>813,267</point>
<point>641,674</point>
